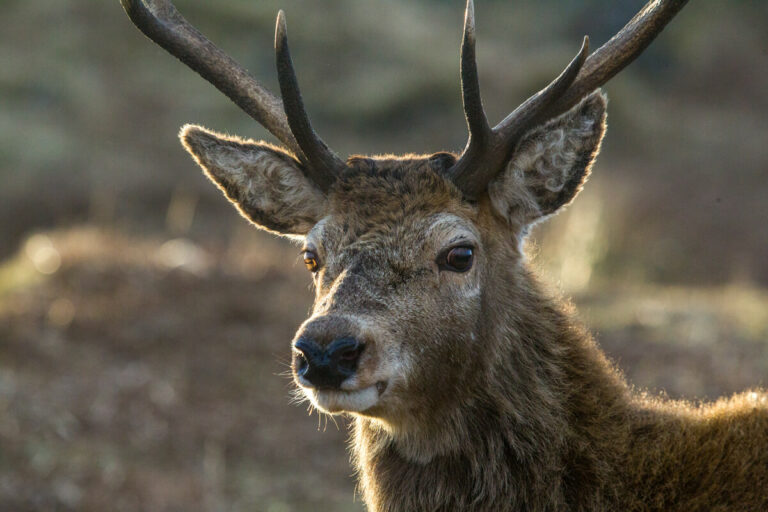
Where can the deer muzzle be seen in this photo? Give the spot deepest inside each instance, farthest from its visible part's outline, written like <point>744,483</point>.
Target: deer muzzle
<point>326,367</point>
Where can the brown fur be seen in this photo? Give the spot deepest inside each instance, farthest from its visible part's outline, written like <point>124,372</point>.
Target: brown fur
<point>477,391</point>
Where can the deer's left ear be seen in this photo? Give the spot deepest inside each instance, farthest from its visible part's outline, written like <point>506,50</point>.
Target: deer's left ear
<point>551,164</point>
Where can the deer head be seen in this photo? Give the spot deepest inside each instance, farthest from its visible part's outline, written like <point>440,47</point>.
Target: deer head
<point>416,260</point>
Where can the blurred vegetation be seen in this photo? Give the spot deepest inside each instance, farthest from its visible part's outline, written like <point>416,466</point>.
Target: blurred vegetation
<point>143,325</point>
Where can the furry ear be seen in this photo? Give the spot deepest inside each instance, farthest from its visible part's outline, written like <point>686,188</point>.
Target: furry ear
<point>265,183</point>
<point>551,164</point>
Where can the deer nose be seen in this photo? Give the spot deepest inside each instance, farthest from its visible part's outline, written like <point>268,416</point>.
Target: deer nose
<point>326,367</point>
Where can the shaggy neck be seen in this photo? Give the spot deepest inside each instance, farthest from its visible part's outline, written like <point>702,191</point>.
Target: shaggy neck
<point>518,438</point>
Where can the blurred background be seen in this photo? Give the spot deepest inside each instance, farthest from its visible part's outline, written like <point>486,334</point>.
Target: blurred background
<point>144,327</point>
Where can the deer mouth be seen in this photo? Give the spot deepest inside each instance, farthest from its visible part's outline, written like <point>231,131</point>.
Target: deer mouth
<point>346,400</point>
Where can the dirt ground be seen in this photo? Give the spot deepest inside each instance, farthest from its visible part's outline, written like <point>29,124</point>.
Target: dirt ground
<point>139,373</point>
<point>144,328</point>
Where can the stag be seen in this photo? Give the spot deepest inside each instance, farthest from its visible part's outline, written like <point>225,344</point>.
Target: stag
<point>469,386</point>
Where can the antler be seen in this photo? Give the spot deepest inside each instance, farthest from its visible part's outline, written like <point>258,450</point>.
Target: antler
<point>325,163</point>
<point>161,22</point>
<point>487,149</point>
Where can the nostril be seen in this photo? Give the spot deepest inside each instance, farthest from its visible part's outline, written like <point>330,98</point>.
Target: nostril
<point>306,354</point>
<point>345,353</point>
<point>301,363</point>
<point>347,360</point>
<point>351,354</point>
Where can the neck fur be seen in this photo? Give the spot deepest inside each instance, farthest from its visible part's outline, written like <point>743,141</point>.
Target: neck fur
<point>518,437</point>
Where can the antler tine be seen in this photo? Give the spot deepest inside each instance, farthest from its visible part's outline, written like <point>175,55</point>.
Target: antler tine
<point>618,52</point>
<point>480,135</point>
<point>325,164</point>
<point>162,23</point>
<point>474,170</point>
<point>510,128</point>
<point>477,122</point>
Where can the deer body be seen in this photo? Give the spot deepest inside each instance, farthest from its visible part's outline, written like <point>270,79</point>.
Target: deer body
<point>584,442</point>
<point>512,406</point>
<point>471,389</point>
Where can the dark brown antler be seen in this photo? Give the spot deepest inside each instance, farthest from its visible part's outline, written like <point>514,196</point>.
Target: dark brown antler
<point>480,134</point>
<point>325,163</point>
<point>161,22</point>
<point>488,149</point>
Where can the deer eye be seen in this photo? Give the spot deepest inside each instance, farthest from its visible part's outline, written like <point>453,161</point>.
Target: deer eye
<point>310,260</point>
<point>457,259</point>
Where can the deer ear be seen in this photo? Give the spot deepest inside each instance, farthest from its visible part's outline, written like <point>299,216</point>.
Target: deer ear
<point>265,183</point>
<point>551,164</point>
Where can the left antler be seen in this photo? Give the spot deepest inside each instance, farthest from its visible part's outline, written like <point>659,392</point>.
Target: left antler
<point>489,148</point>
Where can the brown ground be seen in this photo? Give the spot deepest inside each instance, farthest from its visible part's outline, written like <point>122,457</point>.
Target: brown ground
<point>145,374</point>
<point>142,372</point>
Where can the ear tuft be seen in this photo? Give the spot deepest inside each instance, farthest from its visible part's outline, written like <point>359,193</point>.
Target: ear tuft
<point>194,136</point>
<point>551,164</point>
<point>197,140</point>
<point>266,183</point>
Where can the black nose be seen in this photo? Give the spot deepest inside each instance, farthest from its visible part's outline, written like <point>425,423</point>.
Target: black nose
<point>327,367</point>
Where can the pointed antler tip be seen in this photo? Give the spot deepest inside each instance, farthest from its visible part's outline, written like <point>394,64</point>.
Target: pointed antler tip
<point>281,29</point>
<point>581,57</point>
<point>469,17</point>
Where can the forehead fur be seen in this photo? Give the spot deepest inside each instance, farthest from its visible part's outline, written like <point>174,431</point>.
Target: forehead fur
<point>383,190</point>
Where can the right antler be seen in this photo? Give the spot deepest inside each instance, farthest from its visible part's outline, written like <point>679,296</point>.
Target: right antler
<point>161,22</point>
<point>489,148</point>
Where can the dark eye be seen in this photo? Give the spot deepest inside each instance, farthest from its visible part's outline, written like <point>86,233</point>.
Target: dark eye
<point>310,260</point>
<point>458,259</point>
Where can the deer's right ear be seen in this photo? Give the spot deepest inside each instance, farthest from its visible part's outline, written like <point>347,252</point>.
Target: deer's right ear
<point>265,183</point>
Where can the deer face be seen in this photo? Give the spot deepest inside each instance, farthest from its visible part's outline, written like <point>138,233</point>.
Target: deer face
<point>398,285</point>
<point>401,260</point>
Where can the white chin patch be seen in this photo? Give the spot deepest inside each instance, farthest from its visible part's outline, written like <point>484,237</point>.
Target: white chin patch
<point>343,401</point>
